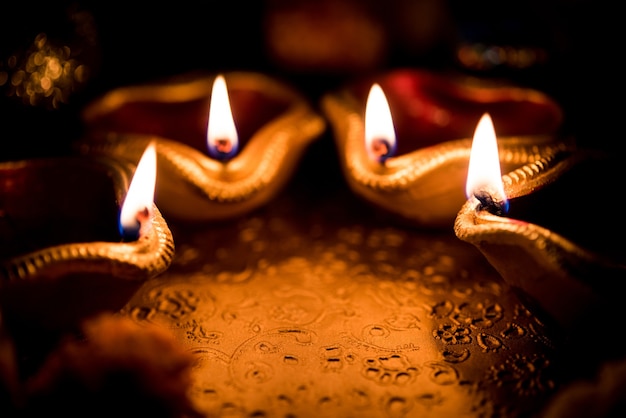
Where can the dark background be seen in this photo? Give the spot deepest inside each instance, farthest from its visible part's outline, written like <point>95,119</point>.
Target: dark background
<point>117,43</point>
<point>120,43</point>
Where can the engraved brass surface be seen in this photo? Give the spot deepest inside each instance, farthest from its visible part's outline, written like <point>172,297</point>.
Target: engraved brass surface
<point>318,305</point>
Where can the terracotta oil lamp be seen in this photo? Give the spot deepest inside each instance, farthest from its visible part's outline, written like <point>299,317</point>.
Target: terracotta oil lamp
<point>539,226</point>
<point>427,121</point>
<point>65,254</point>
<point>226,143</point>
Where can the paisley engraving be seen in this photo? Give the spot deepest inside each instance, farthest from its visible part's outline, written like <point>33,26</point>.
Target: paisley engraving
<point>199,334</point>
<point>488,343</point>
<point>441,373</point>
<point>456,356</point>
<point>453,334</point>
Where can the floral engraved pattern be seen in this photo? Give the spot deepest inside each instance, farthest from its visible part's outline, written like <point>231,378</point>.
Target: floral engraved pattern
<point>441,309</point>
<point>489,342</point>
<point>478,314</point>
<point>513,330</point>
<point>390,370</point>
<point>453,356</point>
<point>452,334</point>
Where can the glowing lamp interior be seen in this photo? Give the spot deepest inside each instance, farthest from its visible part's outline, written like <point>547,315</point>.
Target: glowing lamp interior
<point>222,137</point>
<point>484,176</point>
<point>380,136</point>
<point>137,210</point>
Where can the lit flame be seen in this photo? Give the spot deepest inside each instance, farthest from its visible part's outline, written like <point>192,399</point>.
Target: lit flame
<point>484,178</point>
<point>137,210</point>
<point>222,137</point>
<point>380,136</point>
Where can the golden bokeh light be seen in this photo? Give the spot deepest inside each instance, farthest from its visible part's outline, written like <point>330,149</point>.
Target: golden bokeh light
<point>49,71</point>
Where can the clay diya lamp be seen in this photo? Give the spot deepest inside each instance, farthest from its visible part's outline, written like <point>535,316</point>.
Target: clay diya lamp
<point>542,227</point>
<point>63,255</point>
<point>209,168</point>
<point>409,154</point>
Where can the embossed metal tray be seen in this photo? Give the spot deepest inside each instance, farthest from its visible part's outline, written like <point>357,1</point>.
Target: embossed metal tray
<point>319,305</point>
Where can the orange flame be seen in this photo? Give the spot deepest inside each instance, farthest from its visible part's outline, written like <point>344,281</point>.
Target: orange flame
<point>222,137</point>
<point>484,178</point>
<point>380,136</point>
<point>137,210</point>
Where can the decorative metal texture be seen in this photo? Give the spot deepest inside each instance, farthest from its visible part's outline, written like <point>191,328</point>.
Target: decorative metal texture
<point>318,305</point>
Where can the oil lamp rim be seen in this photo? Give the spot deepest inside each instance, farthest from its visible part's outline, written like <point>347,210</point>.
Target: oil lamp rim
<point>551,249</point>
<point>136,260</point>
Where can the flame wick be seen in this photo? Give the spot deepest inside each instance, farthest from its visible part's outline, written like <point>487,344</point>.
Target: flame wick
<point>381,149</point>
<point>484,178</point>
<point>491,205</point>
<point>137,210</point>
<point>223,145</point>
<point>222,137</point>
<point>380,137</point>
<point>141,226</point>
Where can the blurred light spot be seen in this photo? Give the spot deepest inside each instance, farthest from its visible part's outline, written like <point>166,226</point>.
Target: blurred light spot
<point>17,78</point>
<point>526,57</point>
<point>80,73</point>
<point>48,72</point>
<point>38,58</point>
<point>441,117</point>
<point>494,55</point>
<point>45,83</point>
<point>486,57</point>
<point>467,56</point>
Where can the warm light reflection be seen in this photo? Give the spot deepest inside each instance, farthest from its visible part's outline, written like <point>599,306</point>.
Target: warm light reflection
<point>222,137</point>
<point>380,136</point>
<point>137,210</point>
<point>484,178</point>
